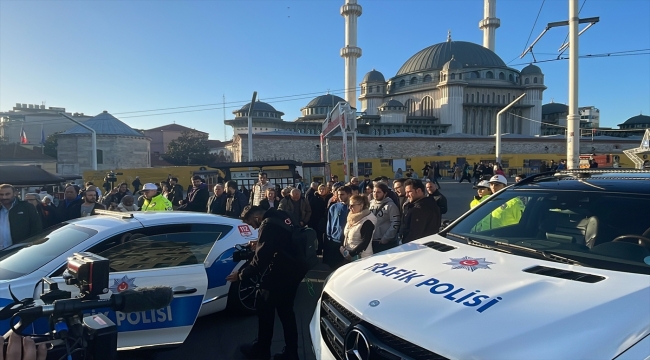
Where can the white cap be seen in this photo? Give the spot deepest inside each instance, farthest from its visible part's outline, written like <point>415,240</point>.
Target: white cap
<point>149,186</point>
<point>482,184</point>
<point>499,179</point>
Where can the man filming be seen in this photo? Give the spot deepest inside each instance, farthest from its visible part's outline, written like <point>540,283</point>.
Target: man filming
<point>280,271</point>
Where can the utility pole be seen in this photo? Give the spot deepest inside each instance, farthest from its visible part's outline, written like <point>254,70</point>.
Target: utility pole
<point>250,127</point>
<point>573,118</point>
<point>497,147</point>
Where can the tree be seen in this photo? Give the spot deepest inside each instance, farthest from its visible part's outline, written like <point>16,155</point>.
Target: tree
<point>191,148</point>
<point>50,146</point>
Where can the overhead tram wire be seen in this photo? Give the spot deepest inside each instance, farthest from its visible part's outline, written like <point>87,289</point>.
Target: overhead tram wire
<point>567,34</point>
<point>341,91</point>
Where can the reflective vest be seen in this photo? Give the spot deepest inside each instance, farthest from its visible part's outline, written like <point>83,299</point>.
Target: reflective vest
<point>157,203</point>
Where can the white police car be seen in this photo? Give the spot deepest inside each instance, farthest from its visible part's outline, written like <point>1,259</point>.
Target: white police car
<point>568,277</point>
<point>183,250</point>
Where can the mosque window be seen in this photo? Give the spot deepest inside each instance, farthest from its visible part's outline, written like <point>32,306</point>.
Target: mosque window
<point>489,75</point>
<point>488,98</point>
<point>498,99</point>
<point>370,89</point>
<point>472,97</point>
<point>483,98</point>
<point>427,78</point>
<point>527,81</point>
<point>460,76</point>
<point>502,76</point>
<point>475,75</point>
<point>535,80</point>
<point>508,97</point>
<point>452,76</point>
<point>427,106</point>
<point>100,156</point>
<point>466,98</point>
<point>413,81</point>
<point>402,83</point>
<point>511,78</point>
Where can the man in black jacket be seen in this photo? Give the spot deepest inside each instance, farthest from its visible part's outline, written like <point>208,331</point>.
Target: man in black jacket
<point>235,201</point>
<point>280,275</point>
<point>18,219</point>
<point>70,207</point>
<point>197,197</point>
<point>421,214</point>
<point>176,191</point>
<point>217,202</point>
<point>441,200</point>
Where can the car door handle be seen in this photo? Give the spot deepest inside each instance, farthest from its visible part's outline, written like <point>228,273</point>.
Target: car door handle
<point>182,290</point>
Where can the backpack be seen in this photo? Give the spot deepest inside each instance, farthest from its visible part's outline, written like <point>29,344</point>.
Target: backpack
<point>304,244</point>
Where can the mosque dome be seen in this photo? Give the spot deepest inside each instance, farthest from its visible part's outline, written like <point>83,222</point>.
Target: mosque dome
<point>374,76</point>
<point>328,100</point>
<point>104,124</point>
<point>554,108</point>
<point>638,120</point>
<point>531,69</point>
<point>466,53</point>
<point>260,109</point>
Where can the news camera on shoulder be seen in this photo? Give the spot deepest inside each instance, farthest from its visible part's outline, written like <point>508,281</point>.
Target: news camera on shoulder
<point>71,332</point>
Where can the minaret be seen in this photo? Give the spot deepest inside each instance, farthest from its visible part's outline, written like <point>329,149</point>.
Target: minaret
<point>351,11</point>
<point>490,23</point>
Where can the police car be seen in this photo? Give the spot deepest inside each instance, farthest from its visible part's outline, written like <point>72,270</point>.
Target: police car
<point>188,251</point>
<point>570,279</point>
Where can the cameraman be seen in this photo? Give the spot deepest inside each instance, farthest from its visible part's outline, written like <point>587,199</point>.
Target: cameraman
<point>24,346</point>
<point>280,272</point>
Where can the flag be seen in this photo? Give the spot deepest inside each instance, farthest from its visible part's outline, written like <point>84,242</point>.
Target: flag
<point>23,136</point>
<point>42,135</point>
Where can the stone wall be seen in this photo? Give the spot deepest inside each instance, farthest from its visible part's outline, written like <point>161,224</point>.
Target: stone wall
<point>119,152</point>
<point>304,148</point>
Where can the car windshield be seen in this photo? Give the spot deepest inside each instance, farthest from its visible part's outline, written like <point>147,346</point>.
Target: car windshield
<point>597,229</point>
<point>28,256</point>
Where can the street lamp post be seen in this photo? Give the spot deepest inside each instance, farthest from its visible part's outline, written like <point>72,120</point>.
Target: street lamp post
<point>93,139</point>
<point>497,148</point>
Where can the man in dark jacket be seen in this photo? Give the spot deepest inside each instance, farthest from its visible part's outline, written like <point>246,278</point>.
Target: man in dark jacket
<point>280,275</point>
<point>441,200</point>
<point>197,197</point>
<point>136,184</point>
<point>297,207</point>
<point>235,201</point>
<point>217,202</point>
<point>176,191</point>
<point>114,198</point>
<point>18,219</point>
<point>70,207</point>
<point>421,214</point>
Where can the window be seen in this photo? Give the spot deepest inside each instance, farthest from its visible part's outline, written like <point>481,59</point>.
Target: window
<point>483,98</point>
<point>370,89</point>
<point>413,81</point>
<point>475,75</point>
<point>511,78</point>
<point>364,168</point>
<point>100,157</point>
<point>410,107</point>
<point>526,81</point>
<point>452,76</point>
<point>489,75</point>
<point>427,106</point>
<point>535,80</point>
<point>472,97</point>
<point>29,255</point>
<point>502,76</point>
<point>402,83</point>
<point>427,78</point>
<point>160,246</point>
<point>460,76</point>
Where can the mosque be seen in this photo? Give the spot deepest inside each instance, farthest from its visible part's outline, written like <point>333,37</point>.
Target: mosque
<point>447,88</point>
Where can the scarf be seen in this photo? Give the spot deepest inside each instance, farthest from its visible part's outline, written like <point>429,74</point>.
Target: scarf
<point>354,219</point>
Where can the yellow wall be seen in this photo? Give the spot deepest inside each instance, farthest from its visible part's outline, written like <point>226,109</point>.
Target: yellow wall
<point>515,163</point>
<point>153,175</point>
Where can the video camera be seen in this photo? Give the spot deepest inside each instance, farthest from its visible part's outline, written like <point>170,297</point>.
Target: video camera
<point>70,332</point>
<point>243,252</point>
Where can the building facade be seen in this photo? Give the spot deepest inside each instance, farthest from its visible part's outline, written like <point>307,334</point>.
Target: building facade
<point>118,147</point>
<point>37,121</point>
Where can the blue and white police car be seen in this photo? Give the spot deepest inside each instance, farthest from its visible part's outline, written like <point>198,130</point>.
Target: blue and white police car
<point>564,274</point>
<point>183,250</point>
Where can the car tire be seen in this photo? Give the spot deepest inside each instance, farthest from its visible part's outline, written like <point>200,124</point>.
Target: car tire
<point>242,295</point>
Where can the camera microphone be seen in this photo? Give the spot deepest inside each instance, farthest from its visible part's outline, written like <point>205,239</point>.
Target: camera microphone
<point>143,299</point>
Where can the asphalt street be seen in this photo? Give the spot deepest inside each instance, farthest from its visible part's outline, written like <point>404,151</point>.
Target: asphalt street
<point>218,336</point>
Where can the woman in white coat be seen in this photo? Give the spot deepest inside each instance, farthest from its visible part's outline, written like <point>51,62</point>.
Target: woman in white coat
<point>358,229</point>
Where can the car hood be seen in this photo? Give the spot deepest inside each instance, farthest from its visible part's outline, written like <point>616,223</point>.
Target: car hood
<point>434,300</point>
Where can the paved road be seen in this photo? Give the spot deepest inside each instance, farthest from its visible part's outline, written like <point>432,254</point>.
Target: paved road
<point>218,336</point>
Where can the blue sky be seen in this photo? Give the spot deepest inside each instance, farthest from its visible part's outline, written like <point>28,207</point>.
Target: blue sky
<point>125,56</point>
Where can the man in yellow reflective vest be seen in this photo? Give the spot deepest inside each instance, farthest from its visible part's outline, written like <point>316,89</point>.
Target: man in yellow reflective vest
<point>508,213</point>
<point>483,190</point>
<point>154,201</point>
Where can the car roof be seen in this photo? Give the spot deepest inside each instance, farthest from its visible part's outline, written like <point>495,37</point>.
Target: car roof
<point>112,218</point>
<point>592,180</point>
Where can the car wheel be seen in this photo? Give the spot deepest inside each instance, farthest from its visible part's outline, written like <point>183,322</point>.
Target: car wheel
<point>242,295</point>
